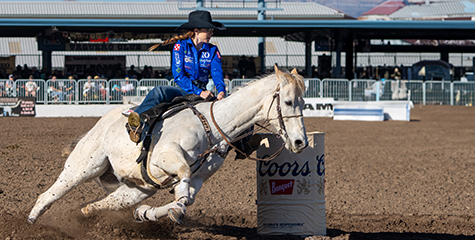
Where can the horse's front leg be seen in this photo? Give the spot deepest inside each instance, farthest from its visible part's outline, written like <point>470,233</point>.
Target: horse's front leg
<point>173,162</point>
<point>175,210</point>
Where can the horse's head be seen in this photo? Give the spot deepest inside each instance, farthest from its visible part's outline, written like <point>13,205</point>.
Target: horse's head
<point>289,102</point>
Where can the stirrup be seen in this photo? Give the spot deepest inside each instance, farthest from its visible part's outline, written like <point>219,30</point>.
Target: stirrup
<point>135,133</point>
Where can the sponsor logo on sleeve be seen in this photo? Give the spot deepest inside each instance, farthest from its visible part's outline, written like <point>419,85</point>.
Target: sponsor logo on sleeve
<point>177,58</point>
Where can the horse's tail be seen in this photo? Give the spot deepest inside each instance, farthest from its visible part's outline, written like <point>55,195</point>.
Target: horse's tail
<point>67,150</point>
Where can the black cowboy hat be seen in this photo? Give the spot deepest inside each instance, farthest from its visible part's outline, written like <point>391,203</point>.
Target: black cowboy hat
<point>201,19</point>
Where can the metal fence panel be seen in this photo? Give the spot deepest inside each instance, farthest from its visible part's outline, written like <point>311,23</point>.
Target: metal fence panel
<point>210,86</point>
<point>102,91</point>
<point>464,93</point>
<point>416,91</point>
<point>363,90</point>
<point>35,88</point>
<point>437,92</point>
<point>312,88</point>
<point>337,89</point>
<point>60,91</point>
<point>122,87</point>
<point>236,83</point>
<point>386,93</point>
<point>146,85</point>
<point>92,91</point>
<point>7,88</point>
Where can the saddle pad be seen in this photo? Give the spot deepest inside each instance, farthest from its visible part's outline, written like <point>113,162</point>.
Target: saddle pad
<point>129,111</point>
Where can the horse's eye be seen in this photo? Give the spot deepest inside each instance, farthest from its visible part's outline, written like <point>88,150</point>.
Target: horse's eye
<point>288,103</point>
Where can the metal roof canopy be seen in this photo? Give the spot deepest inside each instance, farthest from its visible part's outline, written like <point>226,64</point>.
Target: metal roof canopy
<point>343,31</point>
<point>291,29</point>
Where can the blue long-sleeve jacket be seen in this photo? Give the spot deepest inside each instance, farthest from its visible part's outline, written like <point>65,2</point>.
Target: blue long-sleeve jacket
<point>191,67</point>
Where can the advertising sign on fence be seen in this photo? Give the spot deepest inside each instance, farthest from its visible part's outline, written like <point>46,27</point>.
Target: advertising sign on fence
<point>291,188</point>
<point>17,106</point>
<point>81,64</point>
<point>318,107</point>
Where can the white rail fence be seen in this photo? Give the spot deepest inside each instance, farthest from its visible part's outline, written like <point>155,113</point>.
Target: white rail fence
<point>98,91</point>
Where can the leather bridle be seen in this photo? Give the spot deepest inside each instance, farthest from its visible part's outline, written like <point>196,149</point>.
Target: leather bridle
<point>282,131</point>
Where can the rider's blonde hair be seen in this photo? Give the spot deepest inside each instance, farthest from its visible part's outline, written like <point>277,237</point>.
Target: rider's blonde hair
<point>173,40</point>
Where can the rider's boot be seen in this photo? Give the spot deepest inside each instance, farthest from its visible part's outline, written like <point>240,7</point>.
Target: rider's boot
<point>134,127</point>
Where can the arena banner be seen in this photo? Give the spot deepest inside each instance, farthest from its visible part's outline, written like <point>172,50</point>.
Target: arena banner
<point>7,64</point>
<point>17,106</point>
<point>318,107</point>
<point>325,107</point>
<point>106,47</point>
<point>80,64</point>
<point>291,188</point>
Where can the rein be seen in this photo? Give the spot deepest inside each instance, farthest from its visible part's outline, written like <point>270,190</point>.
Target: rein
<point>282,130</point>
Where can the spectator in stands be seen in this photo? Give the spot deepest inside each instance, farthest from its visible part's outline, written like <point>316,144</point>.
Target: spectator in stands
<point>168,75</point>
<point>10,86</point>
<point>35,73</point>
<point>2,88</point>
<point>55,93</point>
<point>128,89</point>
<point>96,87</point>
<point>396,75</point>
<point>116,93</point>
<point>243,66</point>
<point>70,88</point>
<point>146,72</point>
<point>251,72</point>
<point>190,74</point>
<point>87,89</point>
<point>30,87</point>
<point>131,72</point>
<point>26,71</point>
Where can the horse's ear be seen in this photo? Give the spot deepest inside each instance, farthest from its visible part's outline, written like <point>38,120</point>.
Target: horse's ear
<point>294,71</point>
<point>278,73</point>
<point>276,69</point>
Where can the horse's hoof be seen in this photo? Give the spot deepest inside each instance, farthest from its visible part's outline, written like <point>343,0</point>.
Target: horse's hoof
<point>85,211</point>
<point>140,213</point>
<point>31,220</point>
<point>176,214</point>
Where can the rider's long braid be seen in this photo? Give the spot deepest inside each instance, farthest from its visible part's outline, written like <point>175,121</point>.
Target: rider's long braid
<point>175,39</point>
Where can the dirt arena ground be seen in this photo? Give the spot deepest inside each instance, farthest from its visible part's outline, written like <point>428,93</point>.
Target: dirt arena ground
<point>384,180</point>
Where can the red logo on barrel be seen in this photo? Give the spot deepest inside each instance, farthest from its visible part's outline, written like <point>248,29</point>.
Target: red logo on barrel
<point>281,186</point>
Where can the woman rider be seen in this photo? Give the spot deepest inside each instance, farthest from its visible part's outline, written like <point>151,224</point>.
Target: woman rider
<point>194,59</point>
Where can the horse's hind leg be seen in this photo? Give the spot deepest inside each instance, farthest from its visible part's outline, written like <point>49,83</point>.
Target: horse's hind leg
<point>76,171</point>
<point>126,195</point>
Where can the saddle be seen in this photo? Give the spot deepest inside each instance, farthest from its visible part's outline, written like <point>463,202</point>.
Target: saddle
<point>168,109</point>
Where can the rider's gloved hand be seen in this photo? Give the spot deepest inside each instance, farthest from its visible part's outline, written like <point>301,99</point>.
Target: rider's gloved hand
<point>207,95</point>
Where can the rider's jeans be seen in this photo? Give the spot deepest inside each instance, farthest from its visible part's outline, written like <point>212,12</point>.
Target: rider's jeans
<point>158,95</point>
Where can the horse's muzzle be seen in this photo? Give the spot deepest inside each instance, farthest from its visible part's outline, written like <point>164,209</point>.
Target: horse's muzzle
<point>298,145</point>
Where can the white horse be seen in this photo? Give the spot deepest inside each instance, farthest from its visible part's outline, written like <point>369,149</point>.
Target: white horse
<point>106,153</point>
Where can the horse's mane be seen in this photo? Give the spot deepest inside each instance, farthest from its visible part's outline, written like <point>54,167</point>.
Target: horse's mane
<point>294,79</point>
